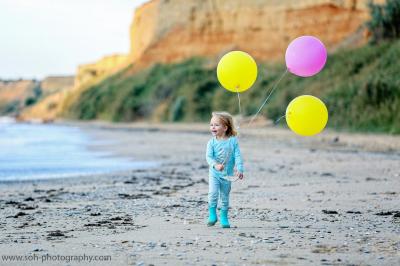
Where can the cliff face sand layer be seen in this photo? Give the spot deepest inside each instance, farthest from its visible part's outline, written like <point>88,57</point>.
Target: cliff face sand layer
<point>55,84</point>
<point>57,89</point>
<point>16,90</point>
<point>53,90</point>
<point>168,31</point>
<point>103,67</point>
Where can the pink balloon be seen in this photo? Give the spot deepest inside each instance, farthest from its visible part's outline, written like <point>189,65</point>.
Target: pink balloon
<point>305,56</point>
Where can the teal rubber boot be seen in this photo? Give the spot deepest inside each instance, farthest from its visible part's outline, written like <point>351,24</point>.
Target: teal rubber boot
<point>212,217</point>
<point>224,219</point>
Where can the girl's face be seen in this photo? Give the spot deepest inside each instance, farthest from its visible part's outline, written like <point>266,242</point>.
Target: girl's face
<point>217,128</point>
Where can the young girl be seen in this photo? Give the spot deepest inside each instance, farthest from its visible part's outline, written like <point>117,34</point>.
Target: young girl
<point>222,155</point>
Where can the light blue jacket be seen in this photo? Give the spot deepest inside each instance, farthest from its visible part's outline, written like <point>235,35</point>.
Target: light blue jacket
<point>226,152</point>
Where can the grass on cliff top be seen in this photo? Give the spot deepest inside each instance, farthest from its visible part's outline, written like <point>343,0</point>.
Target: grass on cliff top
<point>360,87</point>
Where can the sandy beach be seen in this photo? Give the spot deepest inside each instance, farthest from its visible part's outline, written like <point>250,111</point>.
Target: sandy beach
<point>327,200</point>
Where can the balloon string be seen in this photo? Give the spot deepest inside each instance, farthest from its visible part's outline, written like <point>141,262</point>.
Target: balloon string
<point>266,100</point>
<point>237,127</point>
<point>279,119</point>
<point>240,108</point>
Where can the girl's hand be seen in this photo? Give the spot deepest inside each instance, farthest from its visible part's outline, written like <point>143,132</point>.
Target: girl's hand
<point>219,167</point>
<point>240,175</point>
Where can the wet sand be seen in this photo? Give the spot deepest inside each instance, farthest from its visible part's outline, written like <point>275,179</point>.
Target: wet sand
<point>328,200</point>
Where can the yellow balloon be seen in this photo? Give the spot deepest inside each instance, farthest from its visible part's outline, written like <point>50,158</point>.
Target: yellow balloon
<point>306,115</point>
<point>237,71</point>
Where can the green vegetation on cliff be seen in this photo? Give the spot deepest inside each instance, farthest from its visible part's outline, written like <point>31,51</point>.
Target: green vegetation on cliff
<point>360,87</point>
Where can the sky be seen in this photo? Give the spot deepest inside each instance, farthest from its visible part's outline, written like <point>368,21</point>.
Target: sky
<point>40,38</point>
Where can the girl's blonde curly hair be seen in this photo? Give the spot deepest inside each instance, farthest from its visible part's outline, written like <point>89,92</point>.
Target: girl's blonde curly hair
<point>226,119</point>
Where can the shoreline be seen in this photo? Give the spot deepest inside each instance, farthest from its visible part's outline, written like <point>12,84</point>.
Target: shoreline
<point>358,140</point>
<point>374,142</point>
<point>302,202</point>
